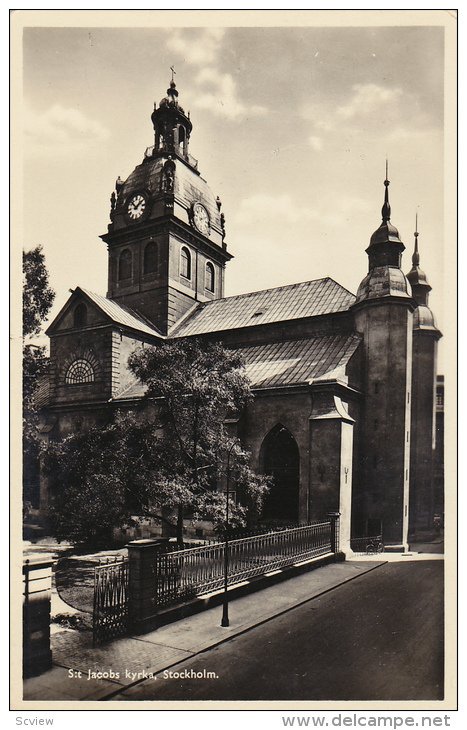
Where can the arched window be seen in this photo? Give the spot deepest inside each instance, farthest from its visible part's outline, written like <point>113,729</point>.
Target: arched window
<point>280,459</point>
<point>185,263</point>
<point>80,315</point>
<point>181,137</point>
<point>80,371</point>
<point>150,258</point>
<point>209,277</point>
<point>125,265</point>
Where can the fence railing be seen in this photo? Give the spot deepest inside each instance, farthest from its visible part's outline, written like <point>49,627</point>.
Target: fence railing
<point>110,614</point>
<point>367,545</point>
<point>184,574</point>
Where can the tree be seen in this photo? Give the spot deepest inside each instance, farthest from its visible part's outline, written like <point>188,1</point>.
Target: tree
<point>38,297</point>
<point>196,386</point>
<point>89,486</point>
<point>37,301</point>
<point>170,462</point>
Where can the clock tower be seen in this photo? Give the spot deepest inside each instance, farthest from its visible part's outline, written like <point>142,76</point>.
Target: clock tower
<point>166,238</point>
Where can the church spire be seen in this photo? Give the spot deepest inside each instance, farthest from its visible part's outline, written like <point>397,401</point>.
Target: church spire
<point>385,247</point>
<point>386,209</point>
<point>417,277</point>
<point>416,255</point>
<point>385,278</point>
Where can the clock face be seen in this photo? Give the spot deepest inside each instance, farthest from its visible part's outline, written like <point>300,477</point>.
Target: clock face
<point>201,218</point>
<point>136,207</point>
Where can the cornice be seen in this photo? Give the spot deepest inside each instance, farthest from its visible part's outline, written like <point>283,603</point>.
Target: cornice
<point>166,224</point>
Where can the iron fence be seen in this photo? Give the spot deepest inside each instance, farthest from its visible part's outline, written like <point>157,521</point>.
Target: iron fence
<point>183,574</point>
<point>367,545</point>
<point>110,610</point>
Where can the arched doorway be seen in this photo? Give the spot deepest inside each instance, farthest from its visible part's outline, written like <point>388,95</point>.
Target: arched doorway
<point>280,459</point>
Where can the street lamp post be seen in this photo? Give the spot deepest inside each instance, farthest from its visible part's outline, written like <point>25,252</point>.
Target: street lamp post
<point>225,603</point>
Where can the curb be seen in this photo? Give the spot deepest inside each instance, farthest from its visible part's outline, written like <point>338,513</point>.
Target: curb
<point>106,695</point>
<point>251,585</point>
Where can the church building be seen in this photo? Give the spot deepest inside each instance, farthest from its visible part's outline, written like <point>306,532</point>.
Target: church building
<point>343,414</point>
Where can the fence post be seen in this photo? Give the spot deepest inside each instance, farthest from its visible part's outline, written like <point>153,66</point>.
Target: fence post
<point>142,608</point>
<point>334,522</point>
<point>37,584</point>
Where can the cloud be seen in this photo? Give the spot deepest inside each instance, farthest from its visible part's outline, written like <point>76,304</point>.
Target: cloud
<point>213,90</point>
<point>218,93</point>
<point>266,208</point>
<point>196,47</point>
<point>368,99</point>
<point>369,105</point>
<point>61,129</point>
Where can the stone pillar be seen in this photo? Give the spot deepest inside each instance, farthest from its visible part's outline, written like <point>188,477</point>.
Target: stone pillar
<point>334,520</point>
<point>142,606</point>
<point>331,449</point>
<point>37,584</point>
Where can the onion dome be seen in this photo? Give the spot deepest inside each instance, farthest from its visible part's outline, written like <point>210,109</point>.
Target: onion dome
<point>385,277</point>
<point>385,245</point>
<point>382,282</point>
<point>423,319</point>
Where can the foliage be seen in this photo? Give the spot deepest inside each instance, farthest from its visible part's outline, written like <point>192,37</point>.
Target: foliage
<point>171,460</point>
<point>37,300</point>
<point>88,486</point>
<point>197,385</point>
<point>37,295</point>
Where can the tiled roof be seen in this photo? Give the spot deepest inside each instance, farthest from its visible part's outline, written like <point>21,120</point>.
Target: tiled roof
<point>42,392</point>
<point>135,389</point>
<point>308,299</point>
<point>299,361</point>
<point>121,314</point>
<point>287,363</point>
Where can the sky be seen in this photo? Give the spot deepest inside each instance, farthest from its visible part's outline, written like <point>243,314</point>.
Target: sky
<point>291,126</point>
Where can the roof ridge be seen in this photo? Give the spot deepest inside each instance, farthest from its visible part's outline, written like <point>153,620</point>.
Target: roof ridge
<point>276,288</point>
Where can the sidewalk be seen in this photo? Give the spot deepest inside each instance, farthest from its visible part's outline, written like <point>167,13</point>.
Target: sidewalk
<point>84,672</point>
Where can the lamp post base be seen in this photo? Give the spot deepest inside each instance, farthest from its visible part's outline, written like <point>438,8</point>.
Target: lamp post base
<point>225,616</point>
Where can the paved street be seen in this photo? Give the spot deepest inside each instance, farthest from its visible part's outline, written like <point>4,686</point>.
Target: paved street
<point>378,637</point>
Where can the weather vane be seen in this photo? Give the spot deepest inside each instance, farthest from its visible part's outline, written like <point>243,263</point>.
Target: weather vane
<point>173,72</point>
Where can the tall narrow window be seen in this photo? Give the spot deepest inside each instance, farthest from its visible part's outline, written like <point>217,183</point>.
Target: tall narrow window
<point>150,258</point>
<point>185,263</point>
<point>181,138</point>
<point>209,277</point>
<point>80,316</point>
<point>125,265</point>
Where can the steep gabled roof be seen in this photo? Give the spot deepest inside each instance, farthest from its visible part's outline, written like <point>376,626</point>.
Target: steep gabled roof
<point>307,299</point>
<point>118,313</point>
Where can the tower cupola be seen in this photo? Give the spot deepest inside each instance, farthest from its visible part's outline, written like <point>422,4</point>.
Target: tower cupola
<point>172,127</point>
<point>417,277</point>
<point>385,245</point>
<point>423,318</point>
<point>385,277</point>
<point>166,236</point>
